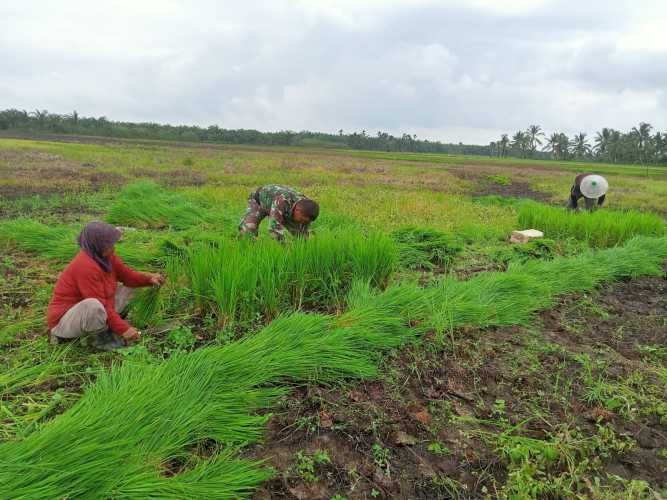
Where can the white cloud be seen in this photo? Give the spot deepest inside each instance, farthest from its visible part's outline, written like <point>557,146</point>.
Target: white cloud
<point>450,70</point>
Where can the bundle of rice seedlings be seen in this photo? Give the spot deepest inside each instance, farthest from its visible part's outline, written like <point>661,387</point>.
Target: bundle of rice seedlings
<point>602,228</point>
<point>425,248</point>
<point>510,298</point>
<point>58,243</point>
<point>145,204</point>
<point>55,243</point>
<point>243,281</point>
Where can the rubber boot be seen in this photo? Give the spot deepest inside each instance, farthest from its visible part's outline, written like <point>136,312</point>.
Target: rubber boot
<point>107,341</point>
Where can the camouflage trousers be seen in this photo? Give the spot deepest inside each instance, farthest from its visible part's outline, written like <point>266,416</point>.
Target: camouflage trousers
<point>253,216</point>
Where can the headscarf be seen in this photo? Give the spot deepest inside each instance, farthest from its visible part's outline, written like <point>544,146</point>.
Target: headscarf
<point>96,238</point>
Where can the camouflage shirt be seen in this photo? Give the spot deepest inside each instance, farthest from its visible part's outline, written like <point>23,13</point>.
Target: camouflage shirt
<point>278,202</point>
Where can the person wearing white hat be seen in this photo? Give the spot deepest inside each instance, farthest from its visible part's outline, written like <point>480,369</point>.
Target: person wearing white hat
<point>591,188</point>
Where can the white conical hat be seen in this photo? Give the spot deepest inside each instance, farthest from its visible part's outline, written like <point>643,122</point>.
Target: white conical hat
<point>593,186</point>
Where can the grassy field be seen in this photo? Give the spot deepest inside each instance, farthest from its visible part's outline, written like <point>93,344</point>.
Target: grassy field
<point>407,350</point>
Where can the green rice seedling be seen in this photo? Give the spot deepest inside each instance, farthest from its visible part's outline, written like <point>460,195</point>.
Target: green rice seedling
<point>425,248</point>
<point>510,298</point>
<point>129,416</point>
<point>503,201</point>
<point>154,306</point>
<point>147,307</point>
<point>374,258</point>
<point>242,281</point>
<point>602,228</point>
<point>489,299</point>
<point>28,375</point>
<point>145,204</point>
<point>58,243</point>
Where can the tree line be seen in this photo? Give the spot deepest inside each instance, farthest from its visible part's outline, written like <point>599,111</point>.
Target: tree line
<point>41,121</point>
<point>639,145</point>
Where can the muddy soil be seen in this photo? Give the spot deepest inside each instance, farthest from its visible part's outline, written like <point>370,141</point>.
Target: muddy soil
<point>406,436</point>
<point>483,185</point>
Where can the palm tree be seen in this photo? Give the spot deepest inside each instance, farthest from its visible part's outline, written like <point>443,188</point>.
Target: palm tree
<point>552,145</point>
<point>534,132</point>
<point>659,147</point>
<point>502,145</point>
<point>615,145</point>
<point>520,143</point>
<point>642,138</point>
<point>602,143</point>
<point>580,147</point>
<point>40,116</point>
<point>73,118</point>
<point>558,144</point>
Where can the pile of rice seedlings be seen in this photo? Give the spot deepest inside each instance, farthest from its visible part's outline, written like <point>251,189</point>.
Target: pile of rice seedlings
<point>144,204</point>
<point>173,430</point>
<point>58,243</point>
<point>244,281</point>
<point>510,298</point>
<point>28,375</point>
<point>602,228</point>
<point>425,248</point>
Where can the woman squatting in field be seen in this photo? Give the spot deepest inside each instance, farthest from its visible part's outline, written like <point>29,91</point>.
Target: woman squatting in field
<point>88,298</point>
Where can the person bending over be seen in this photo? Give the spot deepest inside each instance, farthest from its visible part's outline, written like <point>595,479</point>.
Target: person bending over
<point>286,208</point>
<point>592,188</point>
<point>88,297</point>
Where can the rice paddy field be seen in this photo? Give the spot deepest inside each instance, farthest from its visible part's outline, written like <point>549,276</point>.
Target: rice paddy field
<point>406,350</point>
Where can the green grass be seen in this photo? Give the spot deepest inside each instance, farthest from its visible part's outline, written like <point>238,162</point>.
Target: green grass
<point>601,228</point>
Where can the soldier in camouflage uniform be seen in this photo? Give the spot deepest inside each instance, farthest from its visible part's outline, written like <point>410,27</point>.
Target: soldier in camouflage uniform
<point>287,209</point>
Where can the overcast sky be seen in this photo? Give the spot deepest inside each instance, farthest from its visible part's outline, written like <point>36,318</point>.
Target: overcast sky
<point>449,70</point>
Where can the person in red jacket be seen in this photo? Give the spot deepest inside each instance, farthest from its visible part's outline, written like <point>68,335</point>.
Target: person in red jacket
<point>87,298</point>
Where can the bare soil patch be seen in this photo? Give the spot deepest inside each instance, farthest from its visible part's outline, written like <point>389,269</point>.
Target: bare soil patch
<point>483,185</point>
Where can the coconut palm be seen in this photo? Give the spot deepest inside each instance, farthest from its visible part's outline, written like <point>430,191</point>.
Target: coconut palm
<point>642,140</point>
<point>558,144</point>
<point>602,143</point>
<point>659,147</point>
<point>520,143</point>
<point>534,132</point>
<point>580,147</point>
<point>502,145</point>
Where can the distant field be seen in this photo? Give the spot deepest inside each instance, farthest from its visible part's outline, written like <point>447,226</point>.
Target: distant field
<point>407,351</point>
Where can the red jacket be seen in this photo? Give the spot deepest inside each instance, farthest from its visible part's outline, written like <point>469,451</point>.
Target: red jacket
<point>83,279</point>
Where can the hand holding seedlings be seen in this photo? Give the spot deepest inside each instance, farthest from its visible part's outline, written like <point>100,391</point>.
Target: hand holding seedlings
<point>156,279</point>
<point>131,335</point>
